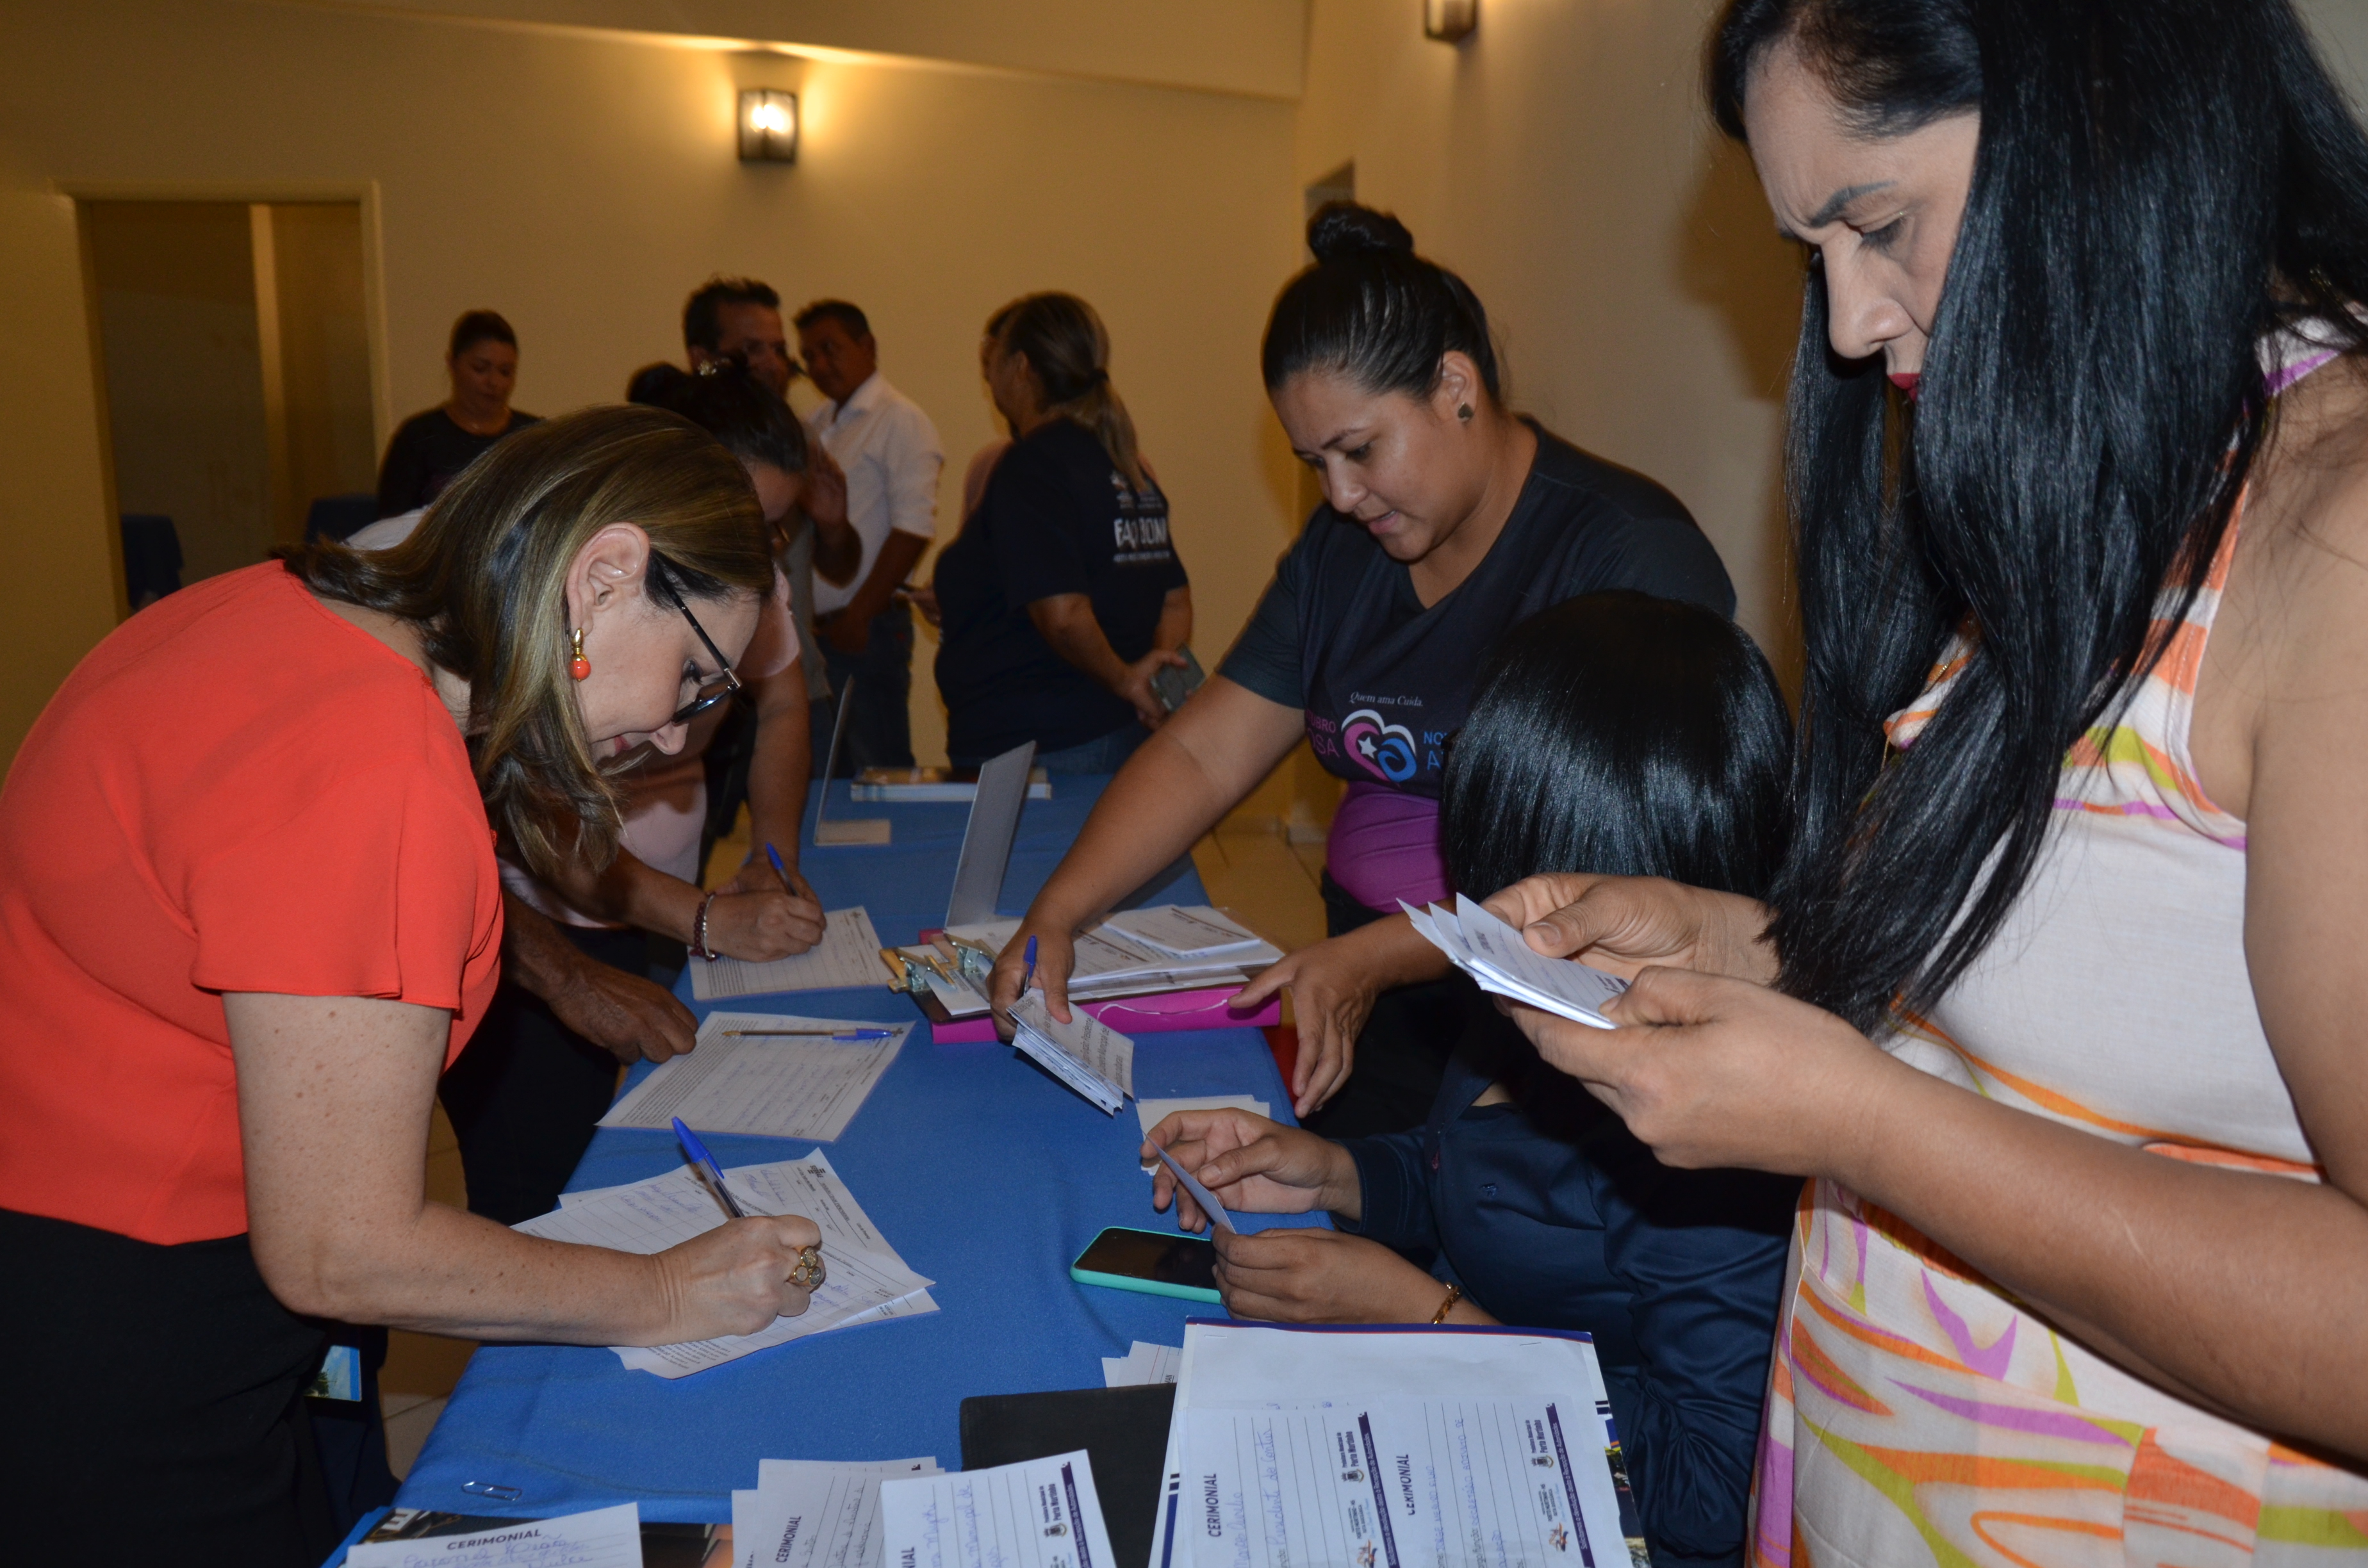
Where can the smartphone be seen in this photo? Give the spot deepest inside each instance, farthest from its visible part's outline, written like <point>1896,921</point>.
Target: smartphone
<point>1159,1263</point>
<point>1172,686</point>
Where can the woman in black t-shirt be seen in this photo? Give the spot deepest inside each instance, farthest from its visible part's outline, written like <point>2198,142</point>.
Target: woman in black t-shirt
<point>430,450</point>
<point>1449,519</point>
<point>1063,596</point>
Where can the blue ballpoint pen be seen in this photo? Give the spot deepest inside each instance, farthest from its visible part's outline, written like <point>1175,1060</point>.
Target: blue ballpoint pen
<point>1031,957</point>
<point>698,1156</point>
<point>778,870</point>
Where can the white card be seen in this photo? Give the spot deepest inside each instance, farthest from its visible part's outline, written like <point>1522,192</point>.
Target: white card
<point>1201,1195</point>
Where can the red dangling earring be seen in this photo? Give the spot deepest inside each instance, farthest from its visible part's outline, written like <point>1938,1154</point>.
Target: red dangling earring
<point>579,666</point>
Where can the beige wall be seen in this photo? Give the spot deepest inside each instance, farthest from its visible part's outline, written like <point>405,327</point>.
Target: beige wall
<point>582,184</point>
<point>1559,160</point>
<point>55,498</point>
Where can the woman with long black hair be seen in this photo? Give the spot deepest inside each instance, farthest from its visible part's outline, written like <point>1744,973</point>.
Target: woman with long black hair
<point>2058,997</point>
<point>1448,516</point>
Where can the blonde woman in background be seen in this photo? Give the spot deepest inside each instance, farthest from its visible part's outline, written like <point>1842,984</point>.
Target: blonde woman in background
<point>1063,594</point>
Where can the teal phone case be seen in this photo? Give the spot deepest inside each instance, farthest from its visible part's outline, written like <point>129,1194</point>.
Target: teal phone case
<point>1147,1287</point>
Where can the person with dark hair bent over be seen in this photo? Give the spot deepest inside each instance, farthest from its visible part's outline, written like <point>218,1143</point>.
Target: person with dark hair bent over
<point>1063,594</point>
<point>1448,519</point>
<point>1617,734</point>
<point>430,450</point>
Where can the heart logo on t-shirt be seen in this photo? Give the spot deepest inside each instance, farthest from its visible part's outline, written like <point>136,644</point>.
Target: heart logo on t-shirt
<point>1385,750</point>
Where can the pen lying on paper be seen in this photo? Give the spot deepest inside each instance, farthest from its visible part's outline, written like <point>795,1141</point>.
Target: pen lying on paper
<point>696,1152</point>
<point>812,1034</point>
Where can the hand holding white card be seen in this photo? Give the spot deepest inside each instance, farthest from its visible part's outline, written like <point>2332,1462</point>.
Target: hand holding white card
<point>1496,955</point>
<point>1201,1195</point>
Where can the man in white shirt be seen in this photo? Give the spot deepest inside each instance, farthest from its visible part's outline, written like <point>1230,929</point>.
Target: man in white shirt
<point>891,455</point>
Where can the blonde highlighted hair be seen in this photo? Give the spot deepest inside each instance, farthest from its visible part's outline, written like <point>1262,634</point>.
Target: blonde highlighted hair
<point>1068,348</point>
<point>484,576</point>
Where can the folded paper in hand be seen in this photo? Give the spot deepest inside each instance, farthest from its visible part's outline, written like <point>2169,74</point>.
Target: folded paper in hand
<point>1493,954</point>
<point>1084,1053</point>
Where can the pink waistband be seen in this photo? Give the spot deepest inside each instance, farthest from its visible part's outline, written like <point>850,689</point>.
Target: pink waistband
<point>1385,847</point>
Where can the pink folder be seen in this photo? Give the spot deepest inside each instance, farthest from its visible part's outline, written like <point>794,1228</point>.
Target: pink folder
<point>1141,1015</point>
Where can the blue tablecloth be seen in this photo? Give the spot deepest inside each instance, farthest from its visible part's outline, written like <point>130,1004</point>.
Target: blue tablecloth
<point>984,1173</point>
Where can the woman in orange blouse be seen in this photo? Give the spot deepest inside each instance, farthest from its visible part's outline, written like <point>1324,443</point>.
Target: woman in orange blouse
<point>250,912</point>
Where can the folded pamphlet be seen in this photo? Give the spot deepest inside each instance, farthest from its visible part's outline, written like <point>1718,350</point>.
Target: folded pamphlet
<point>1495,954</point>
<point>1084,1053</point>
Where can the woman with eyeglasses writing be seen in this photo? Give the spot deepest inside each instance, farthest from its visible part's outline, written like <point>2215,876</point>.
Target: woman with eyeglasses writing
<point>249,912</point>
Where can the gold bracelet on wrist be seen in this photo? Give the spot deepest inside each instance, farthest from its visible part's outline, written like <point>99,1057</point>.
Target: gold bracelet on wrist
<point>1455,1294</point>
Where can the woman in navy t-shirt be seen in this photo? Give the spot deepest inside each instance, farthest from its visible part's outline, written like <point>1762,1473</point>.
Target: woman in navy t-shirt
<point>1448,519</point>
<point>1063,594</point>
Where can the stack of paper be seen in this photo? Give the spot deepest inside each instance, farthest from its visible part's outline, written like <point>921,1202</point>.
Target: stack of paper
<point>1112,962</point>
<point>866,1281</point>
<point>1493,954</point>
<point>1193,931</point>
<point>814,1513</point>
<point>1038,1514</point>
<point>768,1084</point>
<point>605,1538</point>
<point>848,957</point>
<point>1453,1448</point>
<point>1084,1053</point>
<point>1142,1364</point>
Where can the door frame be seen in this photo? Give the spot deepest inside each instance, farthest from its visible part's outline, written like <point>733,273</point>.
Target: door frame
<point>249,192</point>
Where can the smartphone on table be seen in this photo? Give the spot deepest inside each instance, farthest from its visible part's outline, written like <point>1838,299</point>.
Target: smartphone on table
<point>1159,1263</point>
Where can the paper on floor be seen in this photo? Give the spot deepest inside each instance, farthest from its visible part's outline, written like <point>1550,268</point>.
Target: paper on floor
<point>846,959</point>
<point>1039,1514</point>
<point>1142,1364</point>
<point>1084,1053</point>
<point>770,1087</point>
<point>604,1538</point>
<point>866,1282</point>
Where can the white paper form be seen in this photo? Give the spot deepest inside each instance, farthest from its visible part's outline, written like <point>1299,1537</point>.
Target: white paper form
<point>813,1514</point>
<point>605,1538</point>
<point>1142,1363</point>
<point>1084,1053</point>
<point>1153,1112</point>
<point>1039,1514</point>
<point>1441,1483</point>
<point>848,958</point>
<point>1495,954</point>
<point>1247,1367</point>
<point>866,1280</point>
<point>1108,962</point>
<point>1193,931</point>
<point>773,1087</point>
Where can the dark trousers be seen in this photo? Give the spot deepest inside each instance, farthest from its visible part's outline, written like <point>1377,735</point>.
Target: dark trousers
<point>879,727</point>
<point>154,1394</point>
<point>1403,1051</point>
<point>525,1094</point>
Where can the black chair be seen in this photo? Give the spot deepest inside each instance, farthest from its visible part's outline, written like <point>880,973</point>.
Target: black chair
<point>151,557</point>
<point>338,518</point>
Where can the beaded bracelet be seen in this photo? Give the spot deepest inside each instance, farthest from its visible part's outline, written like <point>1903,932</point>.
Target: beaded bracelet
<point>1455,1294</point>
<point>698,931</point>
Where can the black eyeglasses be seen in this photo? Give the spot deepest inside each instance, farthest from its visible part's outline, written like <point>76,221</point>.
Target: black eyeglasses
<point>711,692</point>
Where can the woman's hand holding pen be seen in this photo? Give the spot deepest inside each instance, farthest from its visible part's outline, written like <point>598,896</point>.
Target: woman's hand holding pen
<point>763,922</point>
<point>732,1279</point>
<point>1039,954</point>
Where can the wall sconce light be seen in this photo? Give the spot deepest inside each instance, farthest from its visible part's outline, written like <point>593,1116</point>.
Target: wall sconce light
<point>769,125</point>
<point>1448,21</point>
